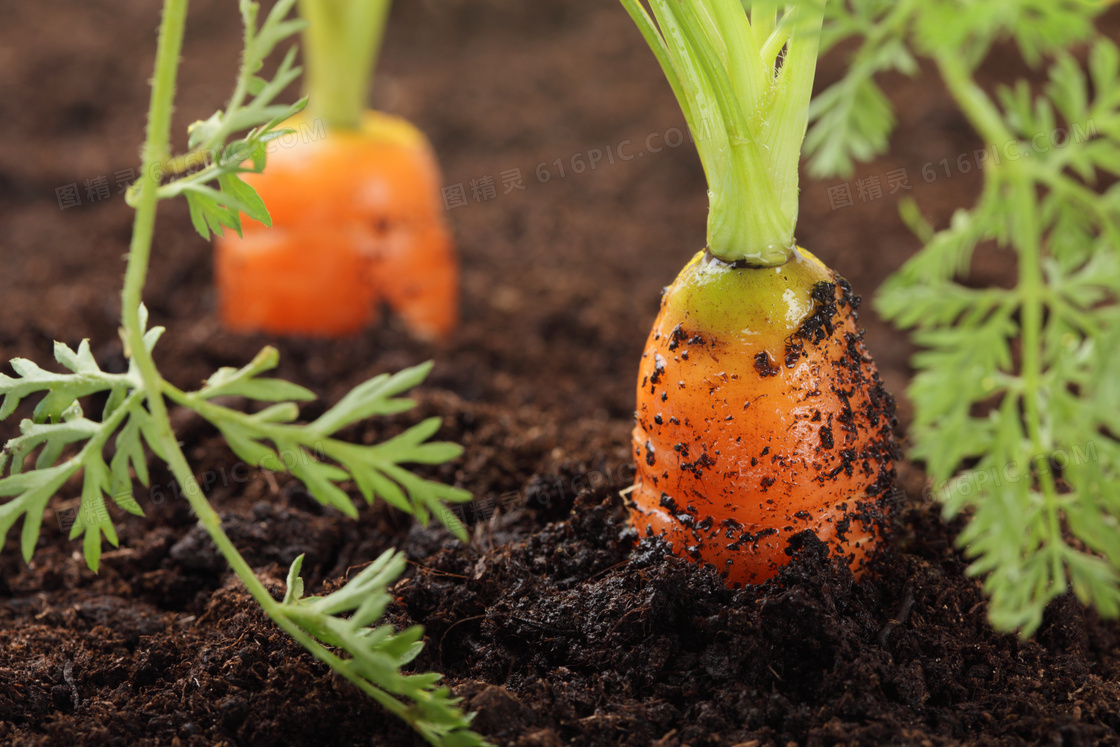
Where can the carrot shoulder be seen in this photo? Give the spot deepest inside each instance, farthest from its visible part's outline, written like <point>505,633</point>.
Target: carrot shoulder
<point>356,207</point>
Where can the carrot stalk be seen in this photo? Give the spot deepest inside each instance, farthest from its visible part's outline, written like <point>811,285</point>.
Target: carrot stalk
<point>341,43</point>
<point>748,120</point>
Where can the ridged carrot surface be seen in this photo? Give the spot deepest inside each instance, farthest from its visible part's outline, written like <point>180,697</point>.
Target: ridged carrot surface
<point>357,222</point>
<point>757,420</point>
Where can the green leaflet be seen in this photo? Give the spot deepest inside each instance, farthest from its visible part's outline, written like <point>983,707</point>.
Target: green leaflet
<point>322,462</point>
<point>215,155</point>
<point>378,396</point>
<point>243,382</point>
<point>852,119</point>
<point>31,491</point>
<point>60,424</point>
<point>376,654</point>
<point>60,390</point>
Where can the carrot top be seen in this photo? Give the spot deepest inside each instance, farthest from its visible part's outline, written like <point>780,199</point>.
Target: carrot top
<point>340,47</point>
<point>713,296</point>
<point>744,79</point>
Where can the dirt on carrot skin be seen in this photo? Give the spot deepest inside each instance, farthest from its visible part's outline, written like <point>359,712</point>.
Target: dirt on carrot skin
<point>730,465</point>
<point>555,625</point>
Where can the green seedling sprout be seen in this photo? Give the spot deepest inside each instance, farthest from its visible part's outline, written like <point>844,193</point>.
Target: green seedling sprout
<point>60,442</point>
<point>1017,385</point>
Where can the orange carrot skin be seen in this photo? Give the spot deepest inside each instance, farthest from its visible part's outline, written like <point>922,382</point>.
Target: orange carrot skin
<point>760,419</point>
<point>357,220</point>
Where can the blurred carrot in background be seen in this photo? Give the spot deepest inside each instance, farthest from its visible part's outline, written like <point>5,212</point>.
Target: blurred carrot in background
<point>357,218</point>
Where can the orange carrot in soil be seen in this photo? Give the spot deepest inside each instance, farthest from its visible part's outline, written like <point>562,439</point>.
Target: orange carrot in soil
<point>759,411</point>
<point>756,422</point>
<point>355,205</point>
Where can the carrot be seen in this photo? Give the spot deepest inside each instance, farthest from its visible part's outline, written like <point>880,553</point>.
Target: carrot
<point>357,219</point>
<point>760,421</point>
<point>759,413</point>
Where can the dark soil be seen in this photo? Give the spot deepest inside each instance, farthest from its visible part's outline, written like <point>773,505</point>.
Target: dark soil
<point>556,625</point>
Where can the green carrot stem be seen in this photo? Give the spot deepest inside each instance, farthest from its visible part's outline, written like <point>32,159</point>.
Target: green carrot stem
<point>155,151</point>
<point>340,48</point>
<point>744,85</point>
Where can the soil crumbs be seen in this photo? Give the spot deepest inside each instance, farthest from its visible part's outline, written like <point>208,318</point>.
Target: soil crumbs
<point>581,638</point>
<point>575,633</point>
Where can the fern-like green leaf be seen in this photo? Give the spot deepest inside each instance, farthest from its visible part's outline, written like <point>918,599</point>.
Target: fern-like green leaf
<point>375,655</point>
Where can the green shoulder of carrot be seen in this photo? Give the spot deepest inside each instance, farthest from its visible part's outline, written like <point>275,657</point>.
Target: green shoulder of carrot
<point>355,205</point>
<point>1012,383</point>
<point>108,449</point>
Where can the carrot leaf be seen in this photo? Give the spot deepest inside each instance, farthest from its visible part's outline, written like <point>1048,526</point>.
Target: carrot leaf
<point>376,654</point>
<point>215,155</point>
<point>1015,394</point>
<point>852,119</point>
<point>58,443</point>
<point>314,455</point>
